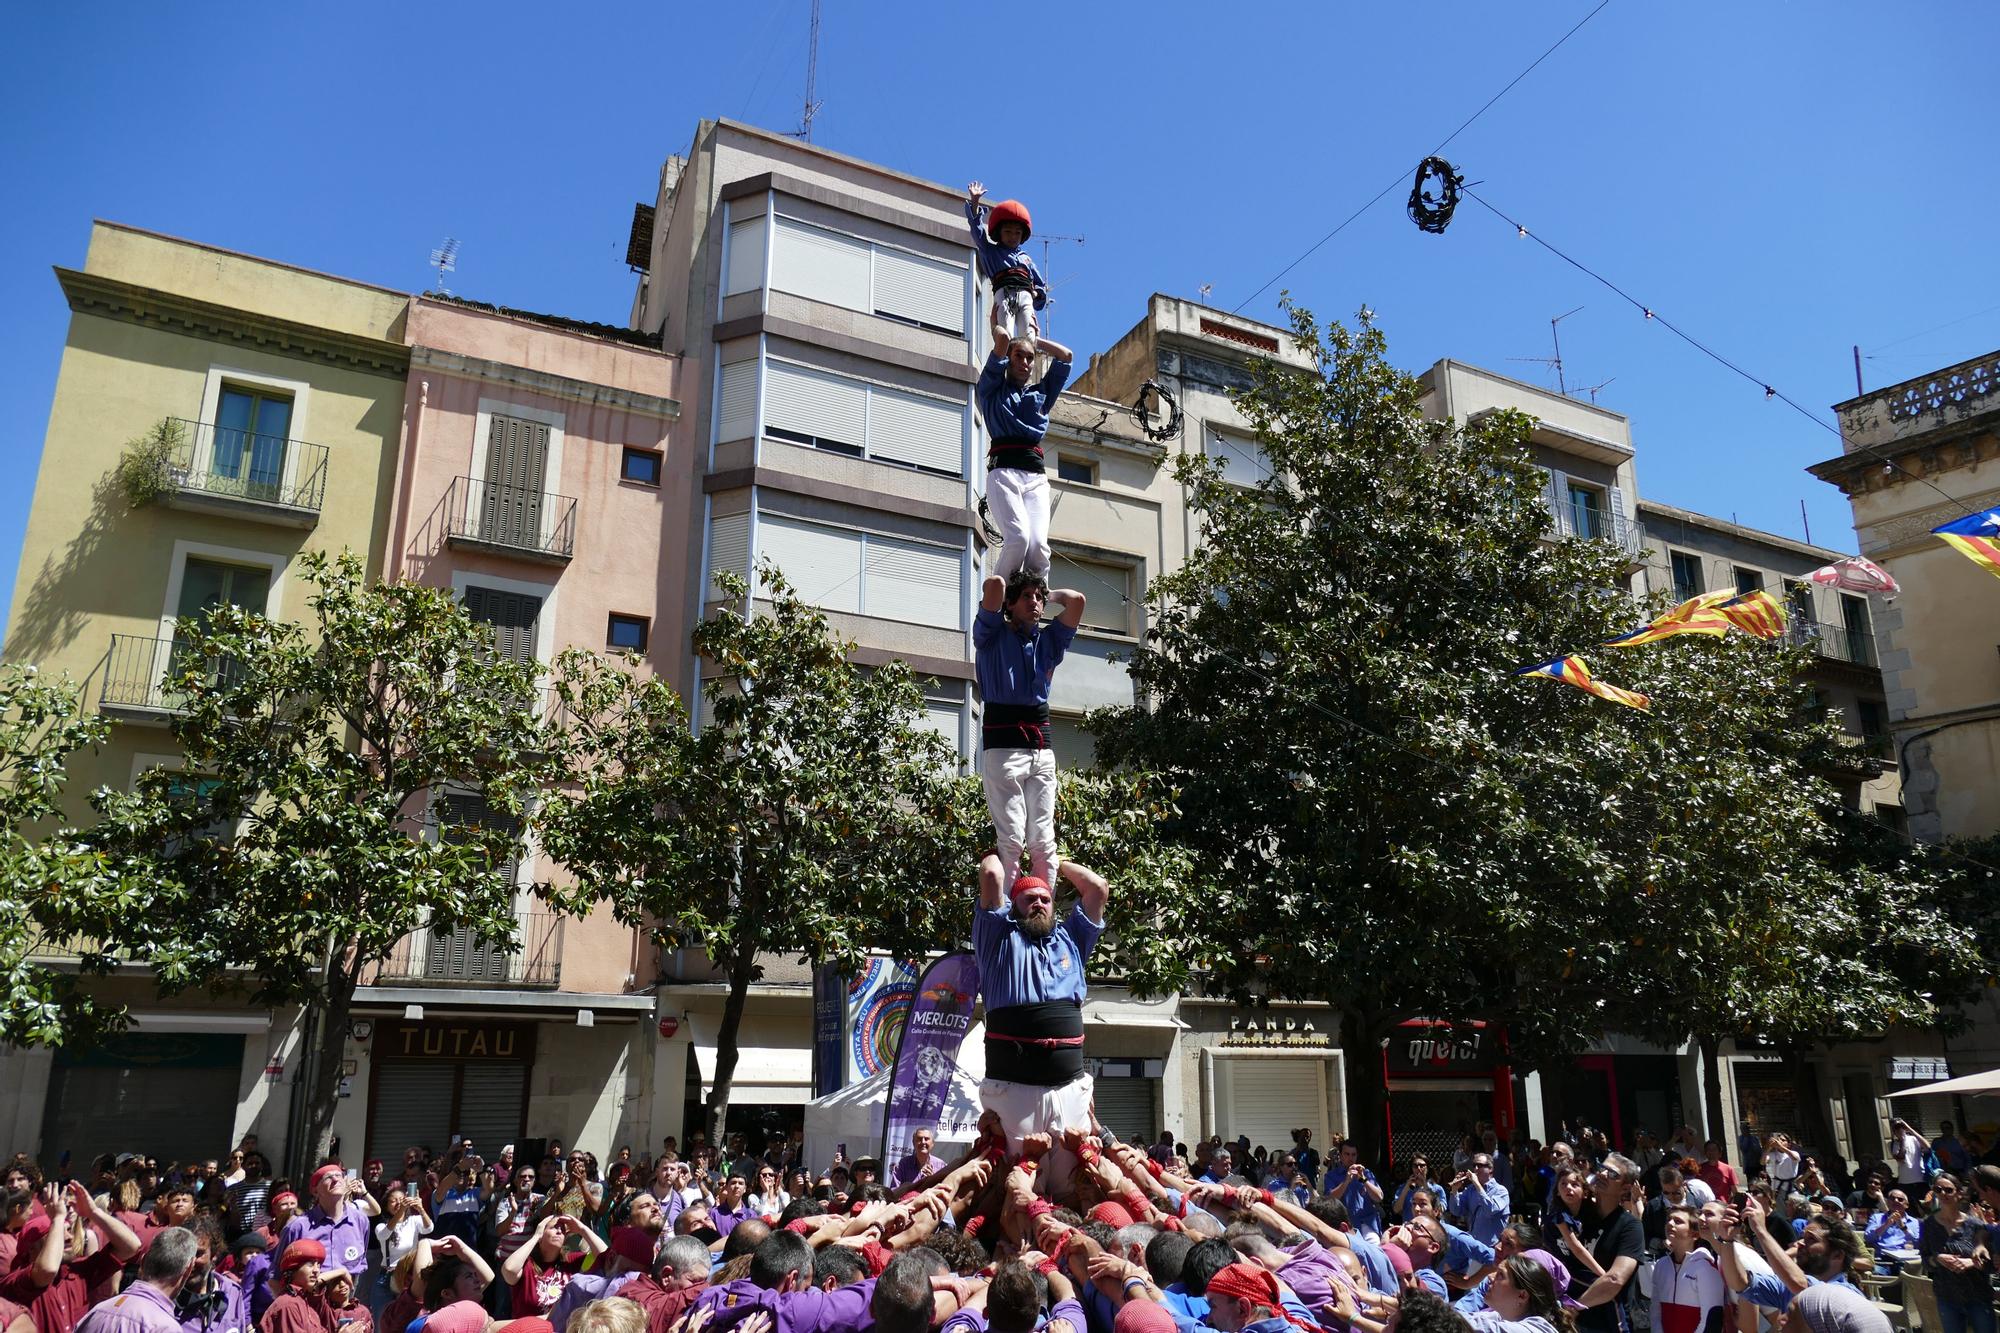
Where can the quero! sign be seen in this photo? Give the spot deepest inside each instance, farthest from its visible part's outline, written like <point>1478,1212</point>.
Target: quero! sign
<point>1437,1046</point>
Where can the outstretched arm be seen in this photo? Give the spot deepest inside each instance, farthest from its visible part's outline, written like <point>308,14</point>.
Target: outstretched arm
<point>1072,606</point>
<point>1092,893</point>
<point>991,881</point>
<point>1054,350</point>
<point>993,593</point>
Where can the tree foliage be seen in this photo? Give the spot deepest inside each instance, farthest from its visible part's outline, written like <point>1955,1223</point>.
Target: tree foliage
<point>309,831</point>
<point>1401,827</point>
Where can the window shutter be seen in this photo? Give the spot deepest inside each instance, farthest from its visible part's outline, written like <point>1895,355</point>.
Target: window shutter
<point>924,432</point>
<point>913,287</point>
<point>1125,1106</point>
<point>1269,1098</point>
<point>1242,461</point>
<point>492,1100</point>
<point>820,265</point>
<point>412,1104</point>
<point>1559,501</point>
<point>737,418</point>
<point>914,581</point>
<point>823,564</point>
<point>812,402</point>
<point>728,548</point>
<point>512,616</point>
<point>746,257</point>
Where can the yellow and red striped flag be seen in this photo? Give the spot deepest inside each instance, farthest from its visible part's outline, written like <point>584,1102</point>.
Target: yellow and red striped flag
<point>1975,537</point>
<point>1572,671</point>
<point>1757,613</point>
<point>1697,615</point>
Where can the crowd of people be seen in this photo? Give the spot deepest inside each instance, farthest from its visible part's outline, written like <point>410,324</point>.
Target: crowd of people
<point>1565,1237</point>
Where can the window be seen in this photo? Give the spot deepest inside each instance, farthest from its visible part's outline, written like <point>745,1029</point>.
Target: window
<point>1686,570</point>
<point>728,548</point>
<point>848,416</point>
<point>513,616</point>
<point>1748,580</point>
<point>1871,719</point>
<point>1243,461</point>
<point>1083,471</point>
<point>1799,607</point>
<point>251,427</point>
<point>1586,511</point>
<point>640,465</point>
<point>865,573</point>
<point>627,634</point>
<point>1107,589</point>
<point>825,265</point>
<point>1860,631</point>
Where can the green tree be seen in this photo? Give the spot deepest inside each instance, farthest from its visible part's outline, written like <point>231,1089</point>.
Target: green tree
<point>309,832</point>
<point>813,814</point>
<point>56,893</point>
<point>1396,824</point>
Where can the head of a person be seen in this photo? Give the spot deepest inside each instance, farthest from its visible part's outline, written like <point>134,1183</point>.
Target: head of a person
<point>337,1284</point>
<point>1349,1154</point>
<point>1021,360</point>
<point>922,1142</point>
<point>1683,1228</point>
<point>329,1186</point>
<point>284,1206</point>
<point>867,1171</point>
<point>745,1237</point>
<point>1948,1191</point>
<point>1613,1178</point>
<point>1827,1248</point>
<point>1421,1203</point>
<point>1671,1180</point>
<point>1288,1168</point>
<point>1423,1239</point>
<point>1203,1261</point>
<point>579,1165</point>
<point>767,1181</point>
<point>1569,1187</point>
<point>1712,1150</point>
<point>902,1302</point>
<point>21,1174</point>
<point>733,1188</point>
<point>1220,1162</point>
<point>1034,906</point>
<point>837,1266</point>
<point>1329,1210</point>
<point>612,1315</point>
<point>299,1264</point>
<point>1025,598</point>
<point>1241,1294</point>
<point>1166,1253</point>
<point>682,1262</point>
<point>783,1262</point>
<point>464,1317</point>
<point>451,1280</point>
<point>1518,1237</point>
<point>169,1260</point>
<point>1482,1166</point>
<point>1420,1167</point>
<point>1521,1288</point>
<point>1013,1303</point>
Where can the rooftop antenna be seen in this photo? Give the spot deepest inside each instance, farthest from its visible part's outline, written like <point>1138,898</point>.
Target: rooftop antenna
<point>1205,289</point>
<point>1556,361</point>
<point>1048,241</point>
<point>445,260</point>
<point>1592,389</point>
<point>811,109</point>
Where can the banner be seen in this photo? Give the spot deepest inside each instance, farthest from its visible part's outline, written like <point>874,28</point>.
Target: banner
<point>829,1017</point>
<point>878,1003</point>
<point>927,1057</point>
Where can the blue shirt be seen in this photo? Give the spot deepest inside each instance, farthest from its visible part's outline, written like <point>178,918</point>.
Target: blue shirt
<point>1018,411</point>
<point>1375,1262</point>
<point>1483,1209</point>
<point>1433,1280</point>
<point>1362,1210</point>
<point>1465,1252</point>
<point>996,259</point>
<point>1769,1290</point>
<point>1016,668</point>
<point>1185,1309</point>
<point>1881,1234</point>
<point>1015,969</point>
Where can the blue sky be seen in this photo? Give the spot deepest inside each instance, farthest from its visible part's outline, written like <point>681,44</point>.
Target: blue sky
<point>1783,180</point>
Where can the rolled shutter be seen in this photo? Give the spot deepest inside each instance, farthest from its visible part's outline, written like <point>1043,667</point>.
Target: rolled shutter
<point>913,287</point>
<point>822,564</point>
<point>914,581</point>
<point>737,418</point>
<point>1268,1099</point>
<point>411,1108</point>
<point>1126,1107</point>
<point>943,716</point>
<point>728,548</point>
<point>491,1101</point>
<point>923,432</point>
<point>746,257</point>
<point>820,265</point>
<point>512,616</point>
<point>831,408</point>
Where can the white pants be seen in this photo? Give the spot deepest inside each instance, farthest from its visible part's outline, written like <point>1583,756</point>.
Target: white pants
<point>1021,796</point>
<point>1030,1108</point>
<point>1019,504</point>
<point>1014,311</point>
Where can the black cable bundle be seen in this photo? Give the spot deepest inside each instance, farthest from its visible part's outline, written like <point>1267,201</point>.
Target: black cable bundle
<point>1431,216</point>
<point>1143,417</point>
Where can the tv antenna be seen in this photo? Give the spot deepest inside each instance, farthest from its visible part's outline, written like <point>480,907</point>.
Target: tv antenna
<point>1048,240</point>
<point>811,108</point>
<point>1556,361</point>
<point>445,260</point>
<point>1593,388</point>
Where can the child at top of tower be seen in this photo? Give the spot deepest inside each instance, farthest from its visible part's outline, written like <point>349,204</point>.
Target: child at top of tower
<point>1000,234</point>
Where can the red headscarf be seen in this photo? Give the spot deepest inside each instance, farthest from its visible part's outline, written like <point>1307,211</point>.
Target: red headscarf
<point>1253,1283</point>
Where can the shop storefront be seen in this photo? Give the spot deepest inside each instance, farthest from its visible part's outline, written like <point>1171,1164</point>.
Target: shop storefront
<point>1260,1072</point>
<point>173,1094</point>
<point>433,1079</point>
<point>1445,1081</point>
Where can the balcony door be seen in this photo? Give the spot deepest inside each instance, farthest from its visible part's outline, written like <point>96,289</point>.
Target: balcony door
<point>248,455</point>
<point>206,585</point>
<point>511,493</point>
<point>460,955</point>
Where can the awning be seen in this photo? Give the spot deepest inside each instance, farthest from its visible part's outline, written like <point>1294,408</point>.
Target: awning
<point>1126,1012</point>
<point>773,1061</point>
<point>1987,1082</point>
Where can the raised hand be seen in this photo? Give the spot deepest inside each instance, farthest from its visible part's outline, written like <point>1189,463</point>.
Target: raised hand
<point>975,191</point>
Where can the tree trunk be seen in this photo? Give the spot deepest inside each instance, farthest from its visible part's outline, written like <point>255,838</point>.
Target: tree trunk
<point>1711,1080</point>
<point>740,974</point>
<point>325,1039</point>
<point>1367,1088</point>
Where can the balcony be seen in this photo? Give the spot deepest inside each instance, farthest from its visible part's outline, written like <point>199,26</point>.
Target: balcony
<point>1837,643</point>
<point>507,520</point>
<point>1598,525</point>
<point>220,470</point>
<point>458,958</point>
<point>138,673</point>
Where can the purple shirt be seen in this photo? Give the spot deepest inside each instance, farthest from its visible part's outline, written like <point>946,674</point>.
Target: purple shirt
<point>140,1308</point>
<point>346,1241</point>
<point>724,1220</point>
<point>1316,1273</point>
<point>229,1314</point>
<point>909,1171</point>
<point>974,1321</point>
<point>845,1309</point>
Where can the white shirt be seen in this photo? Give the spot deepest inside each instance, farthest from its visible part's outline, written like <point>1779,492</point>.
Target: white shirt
<point>400,1238</point>
<point>770,1206</point>
<point>1695,1281</point>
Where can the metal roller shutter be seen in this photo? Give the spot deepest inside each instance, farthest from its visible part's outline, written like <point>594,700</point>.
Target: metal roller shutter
<point>491,1101</point>
<point>736,418</point>
<point>945,719</point>
<point>412,1108</point>
<point>1126,1106</point>
<point>746,257</point>
<point>1268,1098</point>
<point>821,265</point>
<point>929,291</point>
<point>728,548</point>
<point>914,581</point>
<point>831,408</point>
<point>823,564</point>
<point>923,432</point>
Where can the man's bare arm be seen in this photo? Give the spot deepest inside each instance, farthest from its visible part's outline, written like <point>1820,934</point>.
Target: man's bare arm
<point>1092,893</point>
<point>990,881</point>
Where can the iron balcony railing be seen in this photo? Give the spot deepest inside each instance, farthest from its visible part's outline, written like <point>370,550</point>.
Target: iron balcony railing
<point>538,524</point>
<point>141,673</point>
<point>1841,643</point>
<point>239,465</point>
<point>459,958</point>
<point>1598,524</point>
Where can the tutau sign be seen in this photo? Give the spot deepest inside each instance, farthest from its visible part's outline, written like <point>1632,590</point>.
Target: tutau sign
<point>454,1039</point>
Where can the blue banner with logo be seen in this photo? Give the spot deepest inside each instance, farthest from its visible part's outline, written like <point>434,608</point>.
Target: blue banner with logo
<point>922,1080</point>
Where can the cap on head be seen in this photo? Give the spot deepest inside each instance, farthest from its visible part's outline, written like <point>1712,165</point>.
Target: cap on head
<point>303,1251</point>
<point>1009,210</point>
<point>331,1171</point>
<point>1027,882</point>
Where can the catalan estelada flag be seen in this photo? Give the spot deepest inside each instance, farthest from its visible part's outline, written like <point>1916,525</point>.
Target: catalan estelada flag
<point>1977,536</point>
<point>1757,613</point>
<point>1697,615</point>
<point>1572,671</point>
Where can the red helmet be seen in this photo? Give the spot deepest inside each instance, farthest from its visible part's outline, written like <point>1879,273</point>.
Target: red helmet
<point>1009,210</point>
